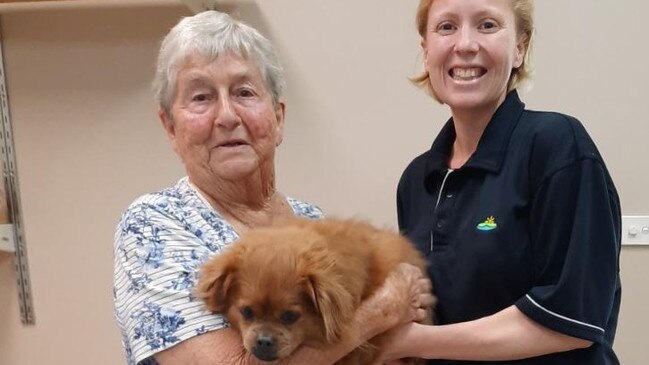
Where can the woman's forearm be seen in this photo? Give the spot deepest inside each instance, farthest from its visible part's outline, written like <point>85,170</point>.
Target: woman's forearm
<point>506,335</point>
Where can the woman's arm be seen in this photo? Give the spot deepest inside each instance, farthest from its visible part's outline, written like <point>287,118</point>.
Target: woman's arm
<point>384,310</point>
<point>506,335</point>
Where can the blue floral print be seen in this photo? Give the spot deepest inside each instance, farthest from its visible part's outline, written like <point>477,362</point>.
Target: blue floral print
<point>157,325</point>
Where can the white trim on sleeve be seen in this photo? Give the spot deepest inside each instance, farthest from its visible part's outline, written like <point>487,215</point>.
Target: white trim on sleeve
<point>563,317</point>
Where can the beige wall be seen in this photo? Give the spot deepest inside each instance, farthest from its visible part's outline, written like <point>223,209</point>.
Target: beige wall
<point>88,141</point>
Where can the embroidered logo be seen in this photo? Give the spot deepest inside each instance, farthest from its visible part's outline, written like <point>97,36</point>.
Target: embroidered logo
<point>488,225</point>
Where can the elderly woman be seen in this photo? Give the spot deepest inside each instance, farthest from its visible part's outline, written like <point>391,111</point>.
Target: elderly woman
<point>513,208</point>
<point>219,87</point>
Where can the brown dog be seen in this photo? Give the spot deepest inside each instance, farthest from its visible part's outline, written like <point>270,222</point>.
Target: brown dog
<point>300,283</point>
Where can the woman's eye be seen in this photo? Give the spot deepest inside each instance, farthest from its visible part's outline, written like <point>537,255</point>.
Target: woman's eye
<point>489,25</point>
<point>289,317</point>
<point>247,313</point>
<point>246,93</point>
<point>445,28</point>
<point>200,97</point>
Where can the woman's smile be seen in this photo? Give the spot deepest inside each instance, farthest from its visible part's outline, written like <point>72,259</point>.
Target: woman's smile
<point>466,73</point>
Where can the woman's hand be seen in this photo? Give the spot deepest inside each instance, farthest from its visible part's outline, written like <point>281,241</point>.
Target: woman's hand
<point>404,297</point>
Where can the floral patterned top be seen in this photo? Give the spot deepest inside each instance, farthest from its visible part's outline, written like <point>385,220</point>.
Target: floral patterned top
<point>160,243</point>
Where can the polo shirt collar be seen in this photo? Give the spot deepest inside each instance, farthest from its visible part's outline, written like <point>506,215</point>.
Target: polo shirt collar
<point>492,147</point>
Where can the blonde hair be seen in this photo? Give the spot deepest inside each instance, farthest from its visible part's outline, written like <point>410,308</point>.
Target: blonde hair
<point>523,13</point>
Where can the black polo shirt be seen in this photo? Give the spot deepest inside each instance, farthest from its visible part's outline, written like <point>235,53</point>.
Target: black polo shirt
<point>532,219</point>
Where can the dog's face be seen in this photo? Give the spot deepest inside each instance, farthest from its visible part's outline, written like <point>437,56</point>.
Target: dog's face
<point>273,287</point>
<point>273,316</point>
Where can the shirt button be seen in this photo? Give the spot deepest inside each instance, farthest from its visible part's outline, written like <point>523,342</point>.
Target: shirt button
<point>440,224</point>
<point>449,195</point>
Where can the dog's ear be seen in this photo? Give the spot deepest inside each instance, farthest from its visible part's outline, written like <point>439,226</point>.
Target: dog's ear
<point>216,279</point>
<point>334,304</point>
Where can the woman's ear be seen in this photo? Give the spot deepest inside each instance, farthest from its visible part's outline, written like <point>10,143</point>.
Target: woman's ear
<point>424,52</point>
<point>168,125</point>
<point>280,114</point>
<point>521,48</point>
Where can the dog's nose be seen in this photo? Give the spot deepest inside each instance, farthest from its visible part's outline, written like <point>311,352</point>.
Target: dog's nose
<point>265,348</point>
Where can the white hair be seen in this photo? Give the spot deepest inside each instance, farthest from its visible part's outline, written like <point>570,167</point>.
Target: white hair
<point>211,34</point>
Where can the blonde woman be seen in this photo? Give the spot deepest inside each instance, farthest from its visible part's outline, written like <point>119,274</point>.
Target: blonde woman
<point>514,209</point>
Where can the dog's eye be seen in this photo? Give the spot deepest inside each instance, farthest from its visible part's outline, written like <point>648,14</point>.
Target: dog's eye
<point>289,317</point>
<point>247,313</point>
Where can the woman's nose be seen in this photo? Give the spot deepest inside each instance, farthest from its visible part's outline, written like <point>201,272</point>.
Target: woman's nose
<point>227,116</point>
<point>467,41</point>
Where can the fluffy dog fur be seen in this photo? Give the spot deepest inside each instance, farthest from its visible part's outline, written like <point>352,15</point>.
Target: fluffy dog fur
<point>300,283</point>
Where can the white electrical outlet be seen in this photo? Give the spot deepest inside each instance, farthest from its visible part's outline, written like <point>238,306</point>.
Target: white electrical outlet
<point>635,230</point>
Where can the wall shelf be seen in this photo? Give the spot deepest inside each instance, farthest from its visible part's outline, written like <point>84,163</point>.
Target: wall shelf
<point>8,6</point>
<point>195,6</point>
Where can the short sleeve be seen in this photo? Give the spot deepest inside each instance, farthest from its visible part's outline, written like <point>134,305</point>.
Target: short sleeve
<point>305,210</point>
<point>575,232</point>
<point>158,252</point>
